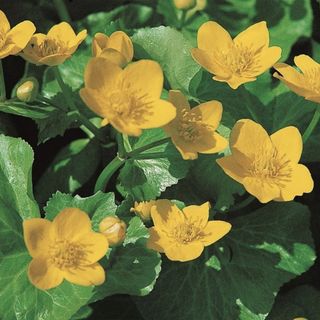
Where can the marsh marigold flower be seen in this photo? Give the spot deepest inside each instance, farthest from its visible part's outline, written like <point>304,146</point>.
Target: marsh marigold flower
<point>193,130</point>
<point>55,47</point>
<point>235,61</point>
<point>113,229</point>
<point>13,40</point>
<point>305,83</point>
<point>267,166</point>
<point>128,99</point>
<point>182,235</point>
<point>117,48</point>
<point>143,209</point>
<point>184,4</point>
<point>65,248</point>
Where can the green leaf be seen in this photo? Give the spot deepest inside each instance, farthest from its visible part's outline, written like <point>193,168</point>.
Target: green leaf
<point>178,66</point>
<point>146,179</point>
<point>72,167</point>
<point>241,273</point>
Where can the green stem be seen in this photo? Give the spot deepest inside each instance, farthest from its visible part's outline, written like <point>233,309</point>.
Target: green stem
<point>89,125</point>
<point>3,94</point>
<point>313,123</point>
<point>182,19</point>
<point>149,155</point>
<point>62,10</point>
<point>137,151</point>
<point>121,149</point>
<point>107,173</point>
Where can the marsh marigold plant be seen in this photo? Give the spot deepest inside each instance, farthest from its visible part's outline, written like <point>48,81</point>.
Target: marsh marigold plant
<point>13,40</point>
<point>65,248</point>
<point>55,47</point>
<point>267,166</point>
<point>182,234</point>
<point>235,61</point>
<point>128,99</point>
<point>193,130</point>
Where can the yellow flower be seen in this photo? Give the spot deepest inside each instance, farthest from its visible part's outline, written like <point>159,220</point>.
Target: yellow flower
<point>117,48</point>
<point>235,61</point>
<point>65,248</point>
<point>182,235</point>
<point>55,47</point>
<point>184,4</point>
<point>267,166</point>
<point>128,99</point>
<point>193,130</point>
<point>305,84</point>
<point>12,41</point>
<point>143,209</point>
<point>113,229</point>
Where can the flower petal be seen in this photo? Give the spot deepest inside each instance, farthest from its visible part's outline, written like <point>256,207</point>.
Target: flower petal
<point>71,224</point>
<point>144,76</point>
<point>254,37</point>
<point>122,43</point>
<point>123,126</point>
<point>187,150</point>
<point>92,275</point>
<point>99,42</point>
<point>288,141</point>
<point>232,168</point>
<point>301,182</point>
<point>54,59</point>
<point>94,99</point>
<point>211,142</point>
<point>114,56</point>
<point>178,99</point>
<point>36,233</point>
<point>211,113</point>
<point>7,50</point>
<point>95,246</point>
<point>157,240</point>
<point>267,59</point>
<point>235,80</point>
<point>305,63</point>
<point>5,25</point>
<point>214,231</point>
<point>264,191</point>
<point>29,53</point>
<point>184,252</point>
<point>74,44</point>
<point>44,275</point>
<point>198,214</point>
<point>62,31</point>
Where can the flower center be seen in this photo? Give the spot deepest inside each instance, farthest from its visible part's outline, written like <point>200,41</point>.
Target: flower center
<point>313,76</point>
<point>65,254</point>
<point>47,47</point>
<point>271,167</point>
<point>187,232</point>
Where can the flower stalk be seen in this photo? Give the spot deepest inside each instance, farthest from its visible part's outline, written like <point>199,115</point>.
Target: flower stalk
<point>2,84</point>
<point>62,10</point>
<point>312,125</point>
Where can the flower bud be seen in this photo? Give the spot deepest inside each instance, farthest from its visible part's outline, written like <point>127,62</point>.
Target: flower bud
<point>143,209</point>
<point>185,4</point>
<point>27,90</point>
<point>113,229</point>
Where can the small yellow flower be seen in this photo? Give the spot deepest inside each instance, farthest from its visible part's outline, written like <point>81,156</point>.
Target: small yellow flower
<point>12,41</point>
<point>267,166</point>
<point>305,84</point>
<point>65,248</point>
<point>117,48</point>
<point>184,4</point>
<point>143,209</point>
<point>128,99</point>
<point>182,235</point>
<point>193,130</point>
<point>235,61</point>
<point>55,47</point>
<point>113,229</point>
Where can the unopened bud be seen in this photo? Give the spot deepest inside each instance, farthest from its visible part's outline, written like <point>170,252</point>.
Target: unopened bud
<point>28,90</point>
<point>185,4</point>
<point>113,229</point>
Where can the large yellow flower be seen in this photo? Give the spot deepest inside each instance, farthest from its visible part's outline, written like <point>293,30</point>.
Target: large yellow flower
<point>235,61</point>
<point>55,47</point>
<point>182,235</point>
<point>193,130</point>
<point>12,41</point>
<point>267,166</point>
<point>65,248</point>
<point>305,84</point>
<point>128,99</point>
<point>117,48</point>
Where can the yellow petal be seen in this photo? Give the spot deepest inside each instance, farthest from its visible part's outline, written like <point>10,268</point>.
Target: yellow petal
<point>54,59</point>
<point>125,127</point>
<point>95,100</point>
<point>288,141</point>
<point>305,63</point>
<point>44,275</point>
<point>7,50</point>
<point>235,80</point>
<point>264,191</point>
<point>214,231</point>
<point>187,150</point>
<point>184,252</point>
<point>158,114</point>
<point>36,233</point>
<point>114,56</point>
<point>178,100</point>
<point>314,98</point>
<point>71,223</point>
<point>267,59</point>
<point>213,37</point>
<point>95,246</point>
<point>4,23</point>
<point>29,53</point>
<point>301,182</point>
<point>157,240</point>
<point>92,275</point>
<point>198,215</point>
<point>232,168</point>
<point>145,76</point>
<point>254,37</point>
<point>211,142</point>
<point>122,43</point>
<point>74,44</point>
<point>210,112</point>
<point>20,35</point>
<point>62,31</point>
<point>99,42</point>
